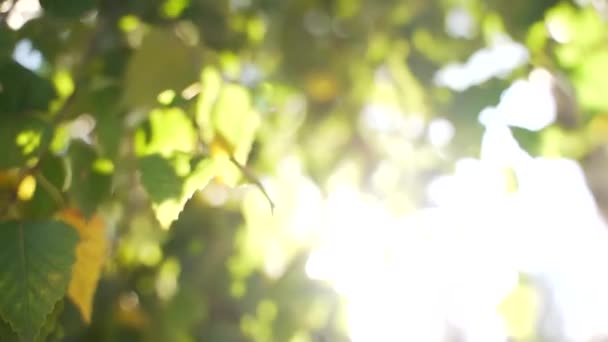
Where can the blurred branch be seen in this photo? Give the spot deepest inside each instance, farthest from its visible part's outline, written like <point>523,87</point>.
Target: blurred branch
<point>80,78</point>
<point>12,200</point>
<point>61,114</point>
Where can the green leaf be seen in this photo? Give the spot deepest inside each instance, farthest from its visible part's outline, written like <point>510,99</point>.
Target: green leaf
<point>6,333</point>
<point>22,89</point>
<point>211,83</point>
<point>164,187</point>
<point>167,190</point>
<point>588,85</point>
<point>7,41</point>
<point>174,8</point>
<point>36,259</point>
<point>47,198</point>
<point>52,326</point>
<point>90,185</point>
<point>175,70</point>
<point>67,8</point>
<point>20,139</point>
<point>159,178</point>
<point>109,129</point>
<point>103,103</point>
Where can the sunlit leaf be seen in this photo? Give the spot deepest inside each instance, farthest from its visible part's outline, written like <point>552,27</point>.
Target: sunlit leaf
<point>168,191</point>
<point>36,259</point>
<point>589,86</point>
<point>170,131</point>
<point>211,82</point>
<point>173,8</point>
<point>20,139</point>
<point>26,188</point>
<point>235,121</point>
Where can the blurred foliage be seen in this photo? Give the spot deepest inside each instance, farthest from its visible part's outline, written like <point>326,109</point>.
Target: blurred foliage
<point>139,124</point>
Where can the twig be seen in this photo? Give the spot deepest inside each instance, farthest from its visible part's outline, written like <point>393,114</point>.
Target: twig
<point>202,149</point>
<point>255,180</point>
<point>10,202</point>
<point>50,189</point>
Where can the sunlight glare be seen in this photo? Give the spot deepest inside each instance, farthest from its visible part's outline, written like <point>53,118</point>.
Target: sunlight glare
<point>497,60</point>
<point>24,11</point>
<point>450,266</point>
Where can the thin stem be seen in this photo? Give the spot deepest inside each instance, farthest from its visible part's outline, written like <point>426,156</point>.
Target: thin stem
<point>254,179</point>
<point>50,189</point>
<point>248,173</point>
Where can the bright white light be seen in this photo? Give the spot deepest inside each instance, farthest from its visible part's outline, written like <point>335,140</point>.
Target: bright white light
<point>459,23</point>
<point>559,30</point>
<point>497,60</point>
<point>24,11</point>
<point>528,104</point>
<point>82,127</point>
<point>404,277</point>
<point>381,118</point>
<point>440,132</point>
<point>499,148</point>
<point>26,55</point>
<point>473,184</point>
<point>274,260</point>
<point>251,74</point>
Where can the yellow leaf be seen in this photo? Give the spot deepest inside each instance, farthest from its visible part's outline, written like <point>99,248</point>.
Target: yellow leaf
<point>90,257</point>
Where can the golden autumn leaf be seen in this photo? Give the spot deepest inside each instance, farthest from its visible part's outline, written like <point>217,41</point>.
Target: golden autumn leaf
<point>90,257</point>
